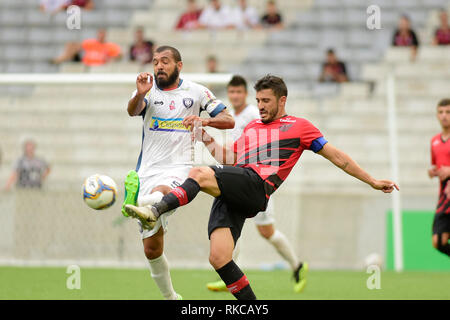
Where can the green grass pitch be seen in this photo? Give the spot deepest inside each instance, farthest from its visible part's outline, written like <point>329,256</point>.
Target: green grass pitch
<point>50,283</point>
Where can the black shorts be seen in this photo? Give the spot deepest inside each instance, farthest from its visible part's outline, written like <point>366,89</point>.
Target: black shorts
<point>441,223</point>
<point>242,196</point>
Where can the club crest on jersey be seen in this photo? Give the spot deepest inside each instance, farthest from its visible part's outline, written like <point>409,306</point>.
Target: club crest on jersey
<point>188,102</point>
<point>286,127</point>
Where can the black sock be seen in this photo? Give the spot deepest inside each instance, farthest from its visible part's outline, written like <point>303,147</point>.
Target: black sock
<point>179,196</point>
<point>445,249</point>
<point>236,281</point>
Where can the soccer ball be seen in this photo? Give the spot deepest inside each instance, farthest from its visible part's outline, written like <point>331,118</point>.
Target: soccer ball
<point>373,259</point>
<point>99,191</point>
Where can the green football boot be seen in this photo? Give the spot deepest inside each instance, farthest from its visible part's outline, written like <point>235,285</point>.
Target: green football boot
<point>300,277</point>
<point>131,190</point>
<point>217,286</point>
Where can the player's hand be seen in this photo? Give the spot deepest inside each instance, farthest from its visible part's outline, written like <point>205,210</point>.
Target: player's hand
<point>443,173</point>
<point>194,121</point>
<point>432,172</point>
<point>143,84</point>
<point>386,186</point>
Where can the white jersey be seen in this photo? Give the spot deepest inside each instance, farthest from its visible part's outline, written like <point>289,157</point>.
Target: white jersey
<point>241,120</point>
<point>166,142</point>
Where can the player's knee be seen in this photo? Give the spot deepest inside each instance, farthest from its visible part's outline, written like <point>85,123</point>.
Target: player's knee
<point>153,252</point>
<point>218,259</point>
<point>199,174</point>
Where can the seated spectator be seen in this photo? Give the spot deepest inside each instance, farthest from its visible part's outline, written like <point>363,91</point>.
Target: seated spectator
<point>333,70</point>
<point>53,6</point>
<point>92,52</point>
<point>245,17</point>
<point>211,64</point>
<point>442,34</point>
<point>272,19</point>
<point>141,50</point>
<point>405,36</point>
<point>84,4</point>
<point>29,170</point>
<point>189,19</point>
<point>216,16</point>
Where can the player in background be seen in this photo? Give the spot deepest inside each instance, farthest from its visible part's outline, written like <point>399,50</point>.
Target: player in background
<point>168,109</point>
<point>257,164</point>
<point>243,113</point>
<point>440,162</point>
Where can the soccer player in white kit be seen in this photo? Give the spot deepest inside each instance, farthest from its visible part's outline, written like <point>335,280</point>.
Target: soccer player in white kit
<point>243,113</point>
<point>169,110</point>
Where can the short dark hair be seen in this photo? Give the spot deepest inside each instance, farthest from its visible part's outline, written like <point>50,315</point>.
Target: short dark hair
<point>272,82</point>
<point>175,53</point>
<point>237,81</point>
<point>444,102</point>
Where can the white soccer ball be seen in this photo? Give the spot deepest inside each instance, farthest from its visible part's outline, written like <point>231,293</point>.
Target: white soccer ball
<point>373,259</point>
<point>99,191</point>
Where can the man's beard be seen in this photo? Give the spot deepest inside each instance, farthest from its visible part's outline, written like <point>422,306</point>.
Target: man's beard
<point>272,116</point>
<point>172,78</point>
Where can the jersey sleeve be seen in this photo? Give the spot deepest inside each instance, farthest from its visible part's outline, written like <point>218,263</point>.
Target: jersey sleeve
<point>209,102</point>
<point>310,137</point>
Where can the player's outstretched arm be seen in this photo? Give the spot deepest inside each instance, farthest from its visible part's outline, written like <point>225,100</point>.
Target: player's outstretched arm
<point>144,83</point>
<point>222,154</point>
<point>223,120</point>
<point>343,161</point>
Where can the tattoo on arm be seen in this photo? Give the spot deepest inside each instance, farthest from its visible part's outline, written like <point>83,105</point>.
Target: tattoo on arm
<point>345,166</point>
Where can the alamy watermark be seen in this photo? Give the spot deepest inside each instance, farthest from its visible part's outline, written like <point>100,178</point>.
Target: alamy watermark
<point>73,21</point>
<point>374,280</point>
<point>374,17</point>
<point>74,279</point>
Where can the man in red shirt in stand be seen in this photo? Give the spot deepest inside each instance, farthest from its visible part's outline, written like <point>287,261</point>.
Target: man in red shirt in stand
<point>440,161</point>
<point>189,19</point>
<point>257,164</point>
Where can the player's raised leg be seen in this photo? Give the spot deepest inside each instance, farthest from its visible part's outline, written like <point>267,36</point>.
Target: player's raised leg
<point>199,179</point>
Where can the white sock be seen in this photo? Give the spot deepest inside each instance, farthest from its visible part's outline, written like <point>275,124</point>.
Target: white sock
<point>284,248</point>
<point>159,270</point>
<point>236,251</point>
<point>150,199</point>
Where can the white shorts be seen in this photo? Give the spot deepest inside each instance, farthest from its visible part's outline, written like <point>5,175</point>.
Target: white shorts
<point>264,218</point>
<point>171,177</point>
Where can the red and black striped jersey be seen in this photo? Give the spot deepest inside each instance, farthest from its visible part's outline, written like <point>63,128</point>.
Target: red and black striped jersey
<point>272,149</point>
<point>440,156</point>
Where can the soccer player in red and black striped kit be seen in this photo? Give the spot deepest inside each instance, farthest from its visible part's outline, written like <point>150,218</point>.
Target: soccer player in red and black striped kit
<point>440,161</point>
<point>258,163</point>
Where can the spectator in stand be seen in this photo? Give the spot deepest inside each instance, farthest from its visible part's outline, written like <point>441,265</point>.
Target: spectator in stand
<point>53,6</point>
<point>84,4</point>
<point>189,19</point>
<point>405,36</point>
<point>29,170</point>
<point>245,17</point>
<point>92,52</point>
<point>333,70</point>
<point>211,64</point>
<point>216,16</point>
<point>272,19</point>
<point>442,34</point>
<point>141,50</point>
